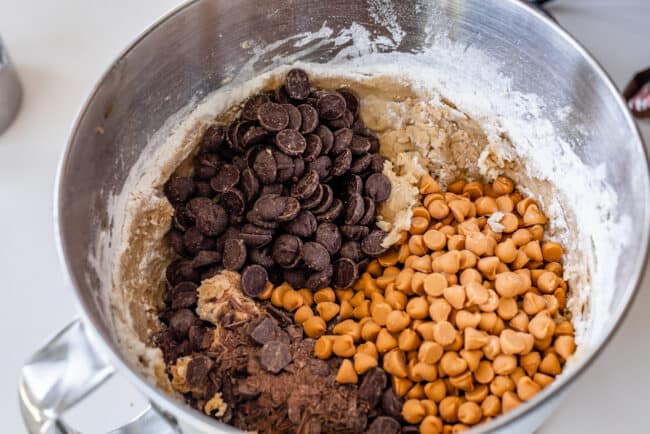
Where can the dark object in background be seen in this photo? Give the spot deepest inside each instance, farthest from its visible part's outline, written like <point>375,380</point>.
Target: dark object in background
<point>637,94</point>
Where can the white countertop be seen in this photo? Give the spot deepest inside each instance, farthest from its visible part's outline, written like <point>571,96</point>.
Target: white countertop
<point>61,48</point>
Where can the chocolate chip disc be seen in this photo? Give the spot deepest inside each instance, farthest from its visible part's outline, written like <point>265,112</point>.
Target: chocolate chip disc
<point>297,84</point>
<point>211,219</point>
<point>351,100</point>
<point>391,404</point>
<point>213,138</point>
<point>233,201</point>
<point>291,210</point>
<point>234,254</point>
<point>371,244</point>
<point>378,187</point>
<point>253,136</point>
<point>329,235</point>
<point>265,167</point>
<point>270,206</point>
<point>332,213</point>
<point>354,209</point>
<point>303,225</point>
<point>331,106</point>
<point>384,425</point>
<point>253,280</point>
<point>359,145</point>
<point>355,232</point>
<point>319,279</point>
<point>342,140</point>
<point>314,147</point>
<point>345,273</point>
<point>275,356</point>
<point>369,216</point>
<point>309,118</point>
<point>315,199</point>
<point>295,118</point>
<point>351,250</point>
<point>326,137</point>
<point>326,201</point>
<point>372,386</point>
<point>306,186</point>
<point>287,250</point>
<point>249,112</point>
<point>322,165</point>
<point>206,257</point>
<point>272,116</point>
<point>291,142</point>
<point>179,189</point>
<point>227,177</point>
<point>342,163</point>
<point>315,256</point>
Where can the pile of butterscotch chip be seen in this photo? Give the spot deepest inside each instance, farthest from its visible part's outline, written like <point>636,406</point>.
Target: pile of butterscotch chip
<point>465,313</point>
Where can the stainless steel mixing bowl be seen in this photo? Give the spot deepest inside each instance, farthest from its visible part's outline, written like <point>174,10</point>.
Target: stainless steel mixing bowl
<point>191,51</point>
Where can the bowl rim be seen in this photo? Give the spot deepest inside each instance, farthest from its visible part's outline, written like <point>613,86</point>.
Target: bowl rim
<point>175,408</point>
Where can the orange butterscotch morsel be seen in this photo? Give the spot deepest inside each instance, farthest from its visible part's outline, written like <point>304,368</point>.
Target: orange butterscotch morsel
<point>416,245</point>
<point>323,347</point>
<point>565,346</point>
<point>456,242</point>
<point>452,364</point>
<point>346,373</point>
<point>473,189</point>
<point>533,251</point>
<point>509,284</point>
<point>388,259</point>
<point>268,291</point>
<point>547,282</point>
<point>551,251</point>
<point>278,293</point>
<point>444,333</point>
<point>477,243</point>
<point>455,295</point>
<point>385,341</point>
<point>475,339</point>
<point>401,386</point>
<point>419,225</point>
<point>486,206</point>
<point>484,374</point>
<point>460,208</point>
<point>364,362</point>
<point>503,185</point>
<point>507,308</point>
<point>501,384</point>
<point>533,216</point>
<point>542,379</point>
<point>520,322</point>
<point>379,312</point>
<point>491,406</point>
<point>505,204</point>
<point>504,364</point>
<point>307,296</point>
<point>395,363</point>
<point>434,284</point>
<point>533,303</point>
<point>477,394</point>
<point>408,340</point>
<point>403,280</point>
<point>438,209</point>
<point>370,330</point>
<point>397,320</point>
<point>470,413</point>
<point>419,371</point>
<point>428,185</point>
<point>413,411</point>
<point>512,342</point>
<point>492,303</point>
<point>425,329</point>
<point>430,352</point>
<point>488,266</point>
<point>302,314</point>
<point>509,400</point>
<point>448,408</point>
<point>463,381</point>
<point>472,357</point>
<point>506,251</point>
<point>348,327</point>
<point>421,263</point>
<point>314,327</point>
<point>510,222</point>
<point>431,425</point>
<point>542,325</point>
<point>476,292</point>
<point>327,310</point>
<point>346,310</point>
<point>435,390</point>
<point>470,275</point>
<point>465,318</point>
<point>343,346</point>
<point>417,308</point>
<point>448,262</point>
<point>368,348</point>
<point>434,240</point>
<point>527,388</point>
<point>325,294</point>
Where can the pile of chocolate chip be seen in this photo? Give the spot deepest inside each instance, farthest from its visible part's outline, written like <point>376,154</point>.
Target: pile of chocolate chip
<point>286,192</point>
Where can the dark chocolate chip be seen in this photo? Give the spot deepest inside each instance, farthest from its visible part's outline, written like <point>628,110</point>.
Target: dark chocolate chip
<point>315,256</point>
<point>287,250</point>
<point>234,254</point>
<point>233,201</point>
<point>257,220</point>
<point>326,201</point>
<point>193,240</point>
<point>295,118</point>
<point>213,138</point>
<point>273,116</point>
<point>297,84</point>
<point>326,137</point>
<point>253,280</point>
<point>342,163</point>
<point>181,270</point>
<point>319,279</point>
<point>176,240</point>
<point>359,145</point>
<point>330,106</point>
<point>361,164</point>
<point>249,183</point>
<point>183,219</point>
<point>332,213</point>
<point>291,210</point>
<point>265,167</point>
<point>354,232</point>
<point>197,371</point>
<point>261,256</point>
<point>206,257</point>
<point>211,219</point>
<point>369,216</point>
<point>345,273</point>
<point>181,322</point>
<point>303,225</point>
<point>270,206</point>
<point>183,295</point>
<point>234,134</point>
<point>240,162</point>
<point>309,118</point>
<point>179,190</point>
<point>371,244</point>
<point>351,250</point>
<point>275,356</point>
<point>256,236</point>
<point>227,177</point>
<point>314,147</point>
<point>342,140</point>
<point>291,142</point>
<point>200,338</point>
<point>280,95</point>
<point>322,165</point>
<point>344,121</point>
<point>354,184</point>
<point>298,168</point>
<point>306,186</point>
<point>252,105</point>
<point>315,199</point>
<point>372,386</point>
<point>351,100</point>
<point>253,136</point>
<point>377,163</point>
<point>378,187</point>
<point>265,331</point>
<point>384,425</point>
<point>203,189</point>
<point>354,209</point>
<point>296,277</point>
<point>329,235</point>
<point>284,164</point>
<point>275,189</point>
<point>410,429</point>
<point>391,404</point>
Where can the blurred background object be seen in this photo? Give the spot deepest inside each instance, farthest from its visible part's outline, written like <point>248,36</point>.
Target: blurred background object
<point>10,90</point>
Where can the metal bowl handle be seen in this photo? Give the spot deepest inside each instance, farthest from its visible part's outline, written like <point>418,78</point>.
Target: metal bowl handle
<point>63,372</point>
